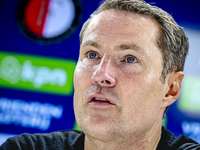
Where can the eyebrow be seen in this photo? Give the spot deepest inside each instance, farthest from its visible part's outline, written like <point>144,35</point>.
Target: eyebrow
<point>130,46</point>
<point>91,43</point>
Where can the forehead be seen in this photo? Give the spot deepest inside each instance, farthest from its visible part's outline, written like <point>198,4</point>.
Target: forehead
<point>114,22</point>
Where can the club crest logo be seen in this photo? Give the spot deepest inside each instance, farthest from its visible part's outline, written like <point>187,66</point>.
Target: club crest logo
<point>48,21</point>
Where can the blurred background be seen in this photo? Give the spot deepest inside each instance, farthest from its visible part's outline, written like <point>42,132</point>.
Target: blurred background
<point>39,46</point>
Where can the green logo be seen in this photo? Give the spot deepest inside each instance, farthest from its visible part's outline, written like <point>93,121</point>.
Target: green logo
<point>36,73</point>
<point>10,69</point>
<point>190,97</point>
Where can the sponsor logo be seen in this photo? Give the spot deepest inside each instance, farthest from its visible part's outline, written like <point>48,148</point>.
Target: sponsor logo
<point>36,73</point>
<point>28,114</point>
<point>191,130</point>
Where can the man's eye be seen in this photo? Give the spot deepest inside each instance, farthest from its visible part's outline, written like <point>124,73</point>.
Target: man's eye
<point>92,55</point>
<point>130,59</point>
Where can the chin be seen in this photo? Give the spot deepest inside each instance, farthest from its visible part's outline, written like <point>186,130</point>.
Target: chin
<point>101,131</point>
<point>101,135</point>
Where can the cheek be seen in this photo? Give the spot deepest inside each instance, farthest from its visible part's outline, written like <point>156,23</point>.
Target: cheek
<point>82,74</point>
<point>141,91</point>
<point>81,83</point>
<point>82,80</point>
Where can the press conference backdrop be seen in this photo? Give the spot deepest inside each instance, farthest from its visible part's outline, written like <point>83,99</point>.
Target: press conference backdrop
<point>39,46</point>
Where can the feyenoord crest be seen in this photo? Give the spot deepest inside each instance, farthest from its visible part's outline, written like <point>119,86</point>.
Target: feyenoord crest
<point>48,21</point>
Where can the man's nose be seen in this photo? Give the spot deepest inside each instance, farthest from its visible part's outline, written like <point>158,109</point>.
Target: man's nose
<point>104,74</point>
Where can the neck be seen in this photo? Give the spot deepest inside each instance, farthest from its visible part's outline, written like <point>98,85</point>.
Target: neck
<point>144,141</point>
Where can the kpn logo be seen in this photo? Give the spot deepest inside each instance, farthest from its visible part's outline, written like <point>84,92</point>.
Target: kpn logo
<point>189,101</point>
<point>36,73</point>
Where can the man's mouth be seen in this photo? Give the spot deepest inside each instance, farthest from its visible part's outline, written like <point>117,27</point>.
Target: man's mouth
<point>101,100</point>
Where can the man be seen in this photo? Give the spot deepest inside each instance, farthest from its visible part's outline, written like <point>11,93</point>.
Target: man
<point>129,71</point>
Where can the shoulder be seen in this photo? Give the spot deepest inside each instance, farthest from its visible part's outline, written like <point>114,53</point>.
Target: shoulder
<point>55,140</point>
<point>169,142</point>
<point>184,143</point>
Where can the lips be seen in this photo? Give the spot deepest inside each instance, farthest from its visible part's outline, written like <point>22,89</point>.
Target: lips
<point>98,98</point>
<point>103,100</point>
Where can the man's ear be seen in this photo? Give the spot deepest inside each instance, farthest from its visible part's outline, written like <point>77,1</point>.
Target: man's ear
<point>173,88</point>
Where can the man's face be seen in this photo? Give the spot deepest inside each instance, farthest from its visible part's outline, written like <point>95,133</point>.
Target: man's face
<point>118,90</point>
